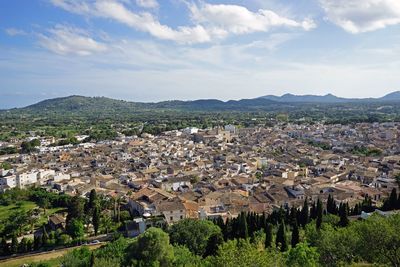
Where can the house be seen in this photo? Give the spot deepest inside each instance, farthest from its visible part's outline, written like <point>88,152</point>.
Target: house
<point>177,209</point>
<point>135,227</point>
<point>56,221</point>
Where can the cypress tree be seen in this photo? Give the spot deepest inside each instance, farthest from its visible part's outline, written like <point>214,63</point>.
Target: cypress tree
<point>295,235</point>
<point>96,219</point>
<point>243,227</point>
<point>281,241</point>
<point>268,235</point>
<point>344,221</point>
<point>92,260</point>
<point>392,200</point>
<point>313,211</point>
<point>319,214</point>
<point>92,201</point>
<point>304,214</point>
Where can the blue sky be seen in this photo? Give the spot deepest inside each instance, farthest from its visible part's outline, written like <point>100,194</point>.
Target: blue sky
<point>153,50</point>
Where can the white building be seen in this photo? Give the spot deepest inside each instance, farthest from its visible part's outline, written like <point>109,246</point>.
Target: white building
<point>8,182</point>
<point>61,176</point>
<point>25,179</point>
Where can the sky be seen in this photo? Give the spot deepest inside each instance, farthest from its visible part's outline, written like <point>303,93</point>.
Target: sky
<point>155,50</point>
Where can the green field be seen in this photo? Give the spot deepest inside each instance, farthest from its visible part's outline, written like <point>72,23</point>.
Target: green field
<point>24,207</point>
<point>21,206</point>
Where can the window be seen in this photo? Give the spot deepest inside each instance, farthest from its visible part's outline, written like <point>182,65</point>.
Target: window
<point>181,217</point>
<point>171,211</point>
<point>171,218</point>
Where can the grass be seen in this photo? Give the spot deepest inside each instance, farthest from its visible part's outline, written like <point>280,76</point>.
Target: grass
<point>22,206</point>
<point>20,262</point>
<point>53,258</point>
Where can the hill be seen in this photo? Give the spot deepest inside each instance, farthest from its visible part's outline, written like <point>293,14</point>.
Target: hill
<point>82,104</point>
<point>329,98</point>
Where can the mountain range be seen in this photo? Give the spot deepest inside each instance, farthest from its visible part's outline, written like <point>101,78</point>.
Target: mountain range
<point>102,105</point>
<point>329,98</point>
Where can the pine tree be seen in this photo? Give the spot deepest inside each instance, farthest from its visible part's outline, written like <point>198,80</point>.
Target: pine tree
<point>268,235</point>
<point>295,235</point>
<point>319,214</point>
<point>281,241</point>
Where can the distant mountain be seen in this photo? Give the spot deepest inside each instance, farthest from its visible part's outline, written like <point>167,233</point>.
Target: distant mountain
<point>395,96</point>
<point>329,98</point>
<point>106,107</point>
<point>81,105</point>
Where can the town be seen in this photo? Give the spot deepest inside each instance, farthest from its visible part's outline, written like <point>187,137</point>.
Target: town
<point>219,172</point>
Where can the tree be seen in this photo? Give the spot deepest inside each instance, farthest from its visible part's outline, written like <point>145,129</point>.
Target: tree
<point>75,229</point>
<point>184,257</point>
<point>37,242</point>
<point>5,249</point>
<point>106,222</point>
<point>77,258</point>
<point>14,244</point>
<point>44,203</point>
<point>92,201</point>
<point>23,245</point>
<point>152,248</point>
<point>331,205</point>
<point>302,256</point>
<point>76,209</point>
<point>304,214</point>
<point>281,241</point>
<point>243,227</point>
<point>194,234</point>
<point>214,241</point>
<point>319,212</point>
<point>344,221</point>
<point>295,235</point>
<point>268,235</point>
<point>241,253</point>
<point>96,219</point>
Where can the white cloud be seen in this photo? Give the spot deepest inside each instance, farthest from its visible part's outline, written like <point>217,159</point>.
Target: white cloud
<point>65,40</point>
<point>239,20</point>
<point>147,3</point>
<point>211,22</point>
<point>357,16</point>
<point>14,32</point>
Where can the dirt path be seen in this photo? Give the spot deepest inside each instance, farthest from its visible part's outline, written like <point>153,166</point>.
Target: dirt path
<point>18,261</point>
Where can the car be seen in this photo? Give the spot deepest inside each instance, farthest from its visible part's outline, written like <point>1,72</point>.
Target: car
<point>95,242</point>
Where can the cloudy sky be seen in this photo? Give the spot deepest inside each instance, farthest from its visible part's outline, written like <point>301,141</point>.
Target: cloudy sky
<point>153,50</point>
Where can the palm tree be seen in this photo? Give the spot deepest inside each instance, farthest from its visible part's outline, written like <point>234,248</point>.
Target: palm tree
<point>32,219</point>
<point>106,222</point>
<point>44,203</point>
